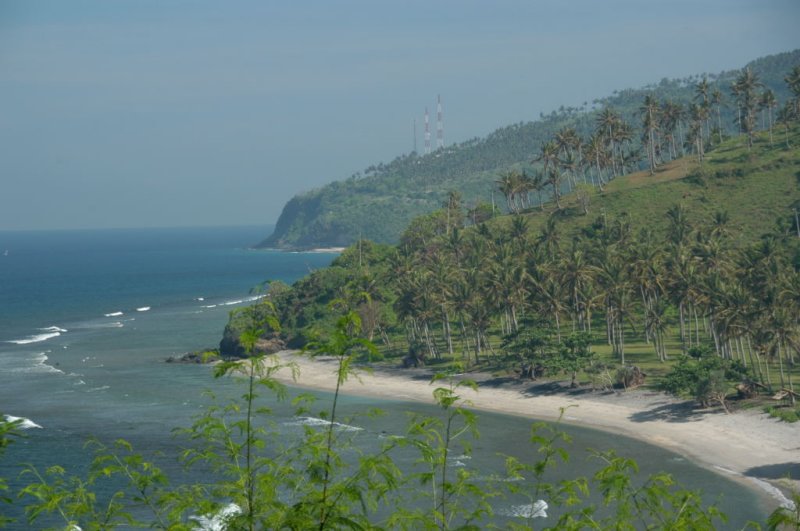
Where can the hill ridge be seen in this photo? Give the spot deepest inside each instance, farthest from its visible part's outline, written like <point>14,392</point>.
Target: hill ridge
<point>379,202</point>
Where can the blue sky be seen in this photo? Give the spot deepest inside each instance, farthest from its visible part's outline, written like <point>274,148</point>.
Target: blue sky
<point>140,113</point>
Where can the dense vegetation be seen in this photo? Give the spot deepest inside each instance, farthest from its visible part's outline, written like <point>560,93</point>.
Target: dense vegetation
<point>378,203</point>
<point>688,268</point>
<point>697,255</point>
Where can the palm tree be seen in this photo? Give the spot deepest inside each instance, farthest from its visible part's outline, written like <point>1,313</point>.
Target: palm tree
<point>670,115</point>
<point>596,152</point>
<point>548,156</point>
<point>537,184</point>
<point>717,100</point>
<point>576,274</point>
<point>616,289</point>
<point>608,122</point>
<point>744,88</point>
<point>679,226</point>
<point>697,115</point>
<point>703,96</point>
<point>793,81</point>
<point>785,117</point>
<point>548,240</point>
<point>767,103</point>
<point>649,110</point>
<point>508,184</point>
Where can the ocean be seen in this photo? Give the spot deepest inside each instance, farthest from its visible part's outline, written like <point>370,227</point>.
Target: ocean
<point>87,319</point>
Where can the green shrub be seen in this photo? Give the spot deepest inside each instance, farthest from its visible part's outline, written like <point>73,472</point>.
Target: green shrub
<point>782,413</point>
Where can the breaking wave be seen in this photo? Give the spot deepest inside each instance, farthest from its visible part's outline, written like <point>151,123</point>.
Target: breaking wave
<point>49,333</point>
<point>219,520</point>
<point>39,365</point>
<point>317,422</point>
<point>538,509</point>
<point>24,424</point>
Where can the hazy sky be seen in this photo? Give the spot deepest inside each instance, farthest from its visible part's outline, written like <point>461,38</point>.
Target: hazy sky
<point>140,113</point>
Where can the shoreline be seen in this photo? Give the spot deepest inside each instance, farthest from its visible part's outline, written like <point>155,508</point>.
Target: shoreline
<point>747,446</point>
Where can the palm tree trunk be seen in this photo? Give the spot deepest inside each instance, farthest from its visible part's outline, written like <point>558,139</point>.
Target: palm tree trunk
<point>696,327</point>
<point>477,346</point>
<point>446,329</point>
<point>682,320</point>
<point>558,328</point>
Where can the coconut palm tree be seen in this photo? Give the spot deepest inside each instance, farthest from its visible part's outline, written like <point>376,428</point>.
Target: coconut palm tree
<point>717,100</point>
<point>607,124</point>
<point>766,103</point>
<point>702,96</point>
<point>670,115</point>
<point>697,115</point>
<point>617,292</point>
<point>744,88</point>
<point>650,110</point>
<point>508,184</point>
<point>575,274</point>
<point>793,81</point>
<point>786,115</point>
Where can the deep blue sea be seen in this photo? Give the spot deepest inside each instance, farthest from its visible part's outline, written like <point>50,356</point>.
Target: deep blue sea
<point>87,319</point>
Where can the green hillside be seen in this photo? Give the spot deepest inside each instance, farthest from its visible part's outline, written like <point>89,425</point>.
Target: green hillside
<point>688,275</point>
<point>378,203</point>
<point>754,189</point>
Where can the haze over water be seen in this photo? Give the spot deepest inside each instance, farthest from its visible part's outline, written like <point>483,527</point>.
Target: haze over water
<point>88,317</point>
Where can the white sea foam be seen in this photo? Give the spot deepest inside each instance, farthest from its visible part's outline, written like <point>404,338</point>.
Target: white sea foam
<point>458,461</point>
<point>143,309</point>
<point>101,388</point>
<point>38,338</point>
<point>210,306</point>
<point>24,424</point>
<point>113,314</point>
<point>219,520</point>
<point>773,491</point>
<point>314,421</point>
<point>40,365</point>
<point>242,301</point>
<point>201,299</point>
<point>54,329</point>
<point>537,509</point>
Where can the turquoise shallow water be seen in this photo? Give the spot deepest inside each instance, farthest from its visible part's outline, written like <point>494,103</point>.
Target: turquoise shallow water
<point>87,318</point>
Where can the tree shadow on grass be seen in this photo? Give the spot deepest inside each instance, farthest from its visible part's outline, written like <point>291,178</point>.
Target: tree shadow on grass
<point>670,412</point>
<point>562,388</point>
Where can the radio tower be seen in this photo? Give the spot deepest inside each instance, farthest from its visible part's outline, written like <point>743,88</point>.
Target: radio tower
<point>415,134</point>
<point>427,133</point>
<point>439,125</point>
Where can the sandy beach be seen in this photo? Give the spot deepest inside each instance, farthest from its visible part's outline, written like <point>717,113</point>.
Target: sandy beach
<point>747,446</point>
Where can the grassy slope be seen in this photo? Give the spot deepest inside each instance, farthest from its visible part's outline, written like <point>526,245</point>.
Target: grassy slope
<point>753,187</point>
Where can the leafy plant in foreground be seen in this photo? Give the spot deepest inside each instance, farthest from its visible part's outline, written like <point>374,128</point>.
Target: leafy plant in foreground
<point>260,479</point>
